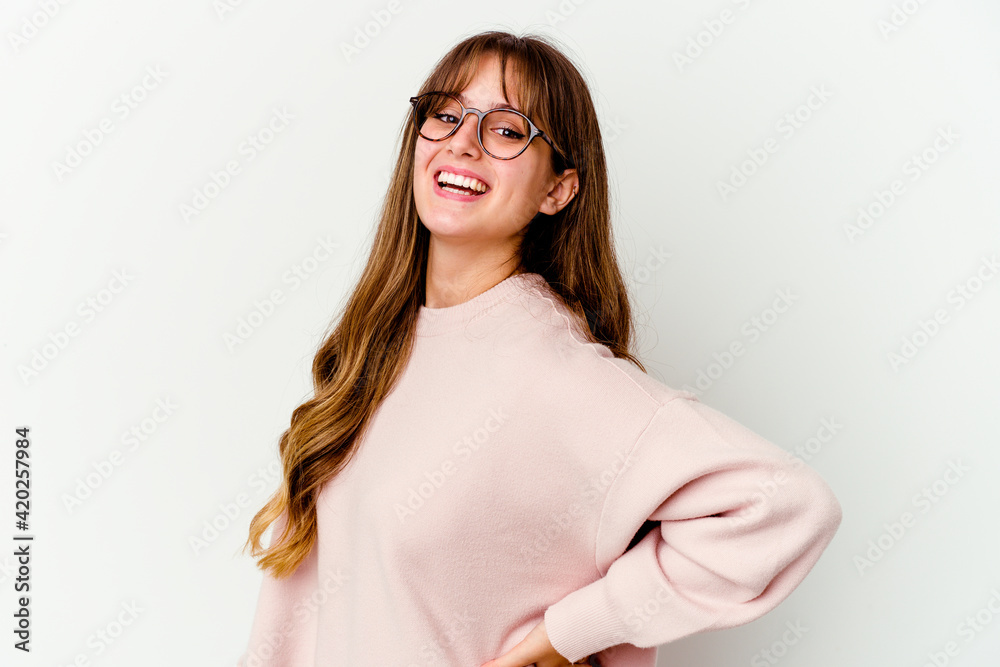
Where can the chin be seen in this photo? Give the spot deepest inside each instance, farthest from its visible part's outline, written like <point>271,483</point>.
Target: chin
<point>447,225</point>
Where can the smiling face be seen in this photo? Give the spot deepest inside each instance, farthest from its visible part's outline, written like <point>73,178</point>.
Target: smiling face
<point>516,190</point>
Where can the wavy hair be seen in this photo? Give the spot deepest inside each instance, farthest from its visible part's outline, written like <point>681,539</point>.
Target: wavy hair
<point>364,352</point>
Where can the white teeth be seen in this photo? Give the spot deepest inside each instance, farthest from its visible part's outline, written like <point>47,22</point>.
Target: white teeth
<point>463,181</point>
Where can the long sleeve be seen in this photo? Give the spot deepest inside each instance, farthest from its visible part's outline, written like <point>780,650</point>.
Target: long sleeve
<point>512,475</point>
<point>740,522</point>
<point>283,633</point>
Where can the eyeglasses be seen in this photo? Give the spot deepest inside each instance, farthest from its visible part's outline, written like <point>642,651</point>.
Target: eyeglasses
<point>438,115</point>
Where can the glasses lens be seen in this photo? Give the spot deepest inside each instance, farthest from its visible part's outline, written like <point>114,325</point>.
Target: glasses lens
<point>505,133</point>
<point>436,115</point>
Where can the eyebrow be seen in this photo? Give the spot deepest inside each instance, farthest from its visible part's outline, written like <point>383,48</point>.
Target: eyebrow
<point>498,105</point>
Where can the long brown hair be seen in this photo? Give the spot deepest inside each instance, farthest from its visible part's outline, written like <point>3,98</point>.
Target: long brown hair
<point>365,351</point>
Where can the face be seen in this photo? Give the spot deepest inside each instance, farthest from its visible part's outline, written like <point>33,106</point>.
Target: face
<point>516,190</point>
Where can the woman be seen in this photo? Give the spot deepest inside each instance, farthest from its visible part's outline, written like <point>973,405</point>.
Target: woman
<point>486,475</point>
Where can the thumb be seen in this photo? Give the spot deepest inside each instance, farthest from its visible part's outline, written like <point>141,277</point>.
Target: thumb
<point>524,654</point>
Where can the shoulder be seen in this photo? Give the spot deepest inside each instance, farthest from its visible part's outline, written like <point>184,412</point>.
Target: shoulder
<point>555,347</point>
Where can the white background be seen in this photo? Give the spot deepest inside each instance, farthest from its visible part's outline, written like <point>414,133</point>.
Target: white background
<point>673,133</point>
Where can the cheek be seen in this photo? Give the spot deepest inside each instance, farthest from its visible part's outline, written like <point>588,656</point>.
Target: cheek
<point>516,181</point>
<point>420,162</point>
<point>528,187</point>
<point>422,154</point>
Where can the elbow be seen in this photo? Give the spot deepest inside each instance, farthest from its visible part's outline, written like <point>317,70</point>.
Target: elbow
<point>795,500</point>
<point>832,512</point>
<point>818,508</point>
<point>805,523</point>
<point>794,497</point>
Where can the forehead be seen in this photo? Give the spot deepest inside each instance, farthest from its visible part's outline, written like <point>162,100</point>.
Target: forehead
<point>498,104</point>
<point>489,75</point>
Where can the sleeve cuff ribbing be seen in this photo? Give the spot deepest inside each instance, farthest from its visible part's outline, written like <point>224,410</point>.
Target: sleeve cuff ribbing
<point>584,622</point>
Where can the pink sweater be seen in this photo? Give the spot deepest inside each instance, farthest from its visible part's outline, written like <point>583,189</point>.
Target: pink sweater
<point>502,481</point>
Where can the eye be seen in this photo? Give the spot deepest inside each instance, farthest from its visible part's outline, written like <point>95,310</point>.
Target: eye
<point>443,116</point>
<point>511,133</point>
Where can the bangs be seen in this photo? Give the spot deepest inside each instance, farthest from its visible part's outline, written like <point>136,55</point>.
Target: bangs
<point>521,76</point>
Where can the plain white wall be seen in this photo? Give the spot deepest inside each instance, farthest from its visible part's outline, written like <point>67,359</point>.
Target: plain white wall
<point>843,100</point>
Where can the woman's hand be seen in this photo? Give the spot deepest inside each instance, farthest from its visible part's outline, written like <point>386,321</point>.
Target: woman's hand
<point>535,649</point>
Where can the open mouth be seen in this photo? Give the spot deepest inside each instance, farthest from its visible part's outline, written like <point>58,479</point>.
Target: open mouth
<point>459,189</point>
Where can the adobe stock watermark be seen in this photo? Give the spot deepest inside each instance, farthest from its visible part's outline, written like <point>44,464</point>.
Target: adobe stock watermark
<point>87,311</point>
<point>885,198</point>
<point>643,272</point>
<point>562,11</point>
<point>102,639</point>
<point>705,38</point>
<point>803,452</point>
<point>592,490</point>
<point>264,308</point>
<point>900,15</point>
<point>260,481</point>
<point>103,469</point>
<point>220,179</point>
<point>122,107</point>
<point>641,615</point>
<point>463,450</point>
<point>612,128</point>
<point>8,569</point>
<point>224,7</point>
<point>305,608</point>
<point>786,126</point>
<point>365,33</point>
<point>968,629</point>
<point>435,652</point>
<point>924,501</point>
<point>779,647</point>
<point>32,24</point>
<point>958,296</point>
<point>752,330</point>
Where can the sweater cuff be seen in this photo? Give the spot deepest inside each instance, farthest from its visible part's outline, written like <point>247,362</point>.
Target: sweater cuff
<point>584,622</point>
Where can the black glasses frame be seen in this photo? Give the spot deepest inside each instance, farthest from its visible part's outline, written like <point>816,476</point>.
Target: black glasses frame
<point>535,132</point>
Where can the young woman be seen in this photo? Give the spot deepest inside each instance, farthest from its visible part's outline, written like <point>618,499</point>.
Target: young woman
<point>485,474</point>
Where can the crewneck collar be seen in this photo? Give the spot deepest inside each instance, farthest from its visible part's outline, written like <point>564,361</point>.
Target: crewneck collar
<point>434,321</point>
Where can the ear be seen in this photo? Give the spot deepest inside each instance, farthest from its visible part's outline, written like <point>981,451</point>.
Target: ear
<point>564,188</point>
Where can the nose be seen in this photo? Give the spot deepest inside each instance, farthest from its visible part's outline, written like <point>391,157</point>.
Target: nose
<point>466,139</point>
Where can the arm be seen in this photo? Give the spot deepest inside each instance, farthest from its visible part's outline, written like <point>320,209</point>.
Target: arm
<point>740,524</point>
<point>283,633</point>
